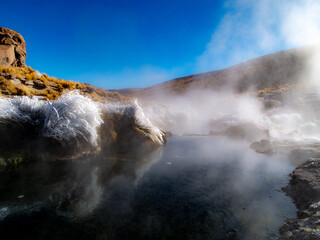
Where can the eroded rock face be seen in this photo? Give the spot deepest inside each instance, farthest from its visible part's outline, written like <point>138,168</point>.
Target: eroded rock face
<point>7,55</point>
<point>12,48</point>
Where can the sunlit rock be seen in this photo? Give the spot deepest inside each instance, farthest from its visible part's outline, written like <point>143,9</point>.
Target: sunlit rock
<point>12,48</point>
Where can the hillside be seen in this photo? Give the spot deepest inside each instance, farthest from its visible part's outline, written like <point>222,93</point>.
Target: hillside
<point>18,79</point>
<point>27,81</point>
<point>277,72</point>
<point>268,72</point>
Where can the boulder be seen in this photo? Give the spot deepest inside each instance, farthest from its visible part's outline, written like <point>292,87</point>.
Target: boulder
<point>12,48</point>
<point>304,189</point>
<point>271,104</point>
<point>264,146</point>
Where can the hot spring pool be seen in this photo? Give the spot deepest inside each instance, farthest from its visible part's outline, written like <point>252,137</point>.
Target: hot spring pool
<point>192,188</point>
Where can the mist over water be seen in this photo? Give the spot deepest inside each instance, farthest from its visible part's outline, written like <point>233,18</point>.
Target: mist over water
<point>206,182</point>
<point>103,170</point>
<point>113,171</point>
<point>199,112</point>
<point>194,187</point>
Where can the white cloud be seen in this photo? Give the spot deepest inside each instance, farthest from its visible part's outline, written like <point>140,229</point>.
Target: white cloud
<point>251,28</point>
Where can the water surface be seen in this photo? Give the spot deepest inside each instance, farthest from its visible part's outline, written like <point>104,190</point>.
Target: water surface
<point>193,188</point>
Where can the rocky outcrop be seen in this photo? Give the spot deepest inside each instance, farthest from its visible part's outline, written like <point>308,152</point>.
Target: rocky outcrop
<point>12,48</point>
<point>7,55</point>
<point>304,189</point>
<point>264,146</point>
<point>17,81</point>
<point>269,104</point>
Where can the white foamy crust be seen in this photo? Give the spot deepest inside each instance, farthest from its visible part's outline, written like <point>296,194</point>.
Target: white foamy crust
<point>142,125</point>
<point>70,116</point>
<point>154,133</point>
<point>74,116</point>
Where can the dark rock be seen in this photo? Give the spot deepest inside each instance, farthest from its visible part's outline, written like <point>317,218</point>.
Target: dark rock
<point>271,104</point>
<point>304,189</point>
<point>264,146</point>
<point>304,186</point>
<point>168,134</point>
<point>37,84</point>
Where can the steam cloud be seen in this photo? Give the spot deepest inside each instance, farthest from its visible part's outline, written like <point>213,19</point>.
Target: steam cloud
<point>254,28</point>
<point>250,29</point>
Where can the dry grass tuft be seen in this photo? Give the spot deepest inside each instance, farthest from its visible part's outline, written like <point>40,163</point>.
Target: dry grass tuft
<point>27,81</point>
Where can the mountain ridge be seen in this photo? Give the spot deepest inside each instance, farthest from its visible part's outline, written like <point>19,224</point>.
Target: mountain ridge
<point>268,71</point>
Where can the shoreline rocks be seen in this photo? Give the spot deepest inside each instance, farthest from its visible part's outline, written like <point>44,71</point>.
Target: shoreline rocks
<point>304,189</point>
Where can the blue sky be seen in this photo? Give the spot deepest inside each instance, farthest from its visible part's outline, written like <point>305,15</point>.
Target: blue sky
<point>125,43</point>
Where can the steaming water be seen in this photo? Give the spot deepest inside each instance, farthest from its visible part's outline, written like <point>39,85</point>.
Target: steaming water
<point>192,188</point>
<point>208,187</point>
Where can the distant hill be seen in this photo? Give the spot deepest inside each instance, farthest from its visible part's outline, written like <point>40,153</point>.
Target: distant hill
<point>126,90</point>
<point>270,71</point>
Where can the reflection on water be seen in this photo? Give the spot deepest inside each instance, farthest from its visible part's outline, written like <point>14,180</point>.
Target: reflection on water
<point>193,188</point>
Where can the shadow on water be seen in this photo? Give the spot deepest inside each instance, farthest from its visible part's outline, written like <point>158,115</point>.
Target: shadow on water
<point>193,188</point>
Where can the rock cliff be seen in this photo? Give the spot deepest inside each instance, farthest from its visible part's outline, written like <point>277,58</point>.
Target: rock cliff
<point>12,48</point>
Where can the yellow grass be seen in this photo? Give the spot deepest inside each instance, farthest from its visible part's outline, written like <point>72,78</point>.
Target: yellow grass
<point>53,87</point>
<point>27,81</point>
